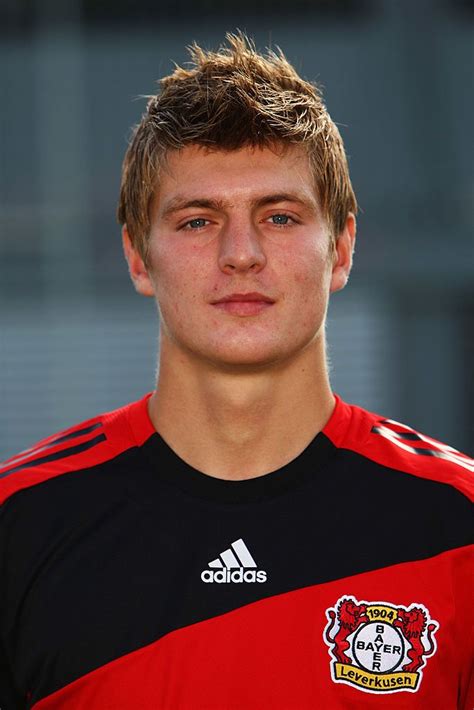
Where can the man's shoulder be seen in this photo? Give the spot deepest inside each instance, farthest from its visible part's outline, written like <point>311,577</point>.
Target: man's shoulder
<point>90,443</point>
<point>398,446</point>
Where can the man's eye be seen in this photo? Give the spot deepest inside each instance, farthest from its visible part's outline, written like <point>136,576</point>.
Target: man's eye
<point>281,219</point>
<point>196,223</point>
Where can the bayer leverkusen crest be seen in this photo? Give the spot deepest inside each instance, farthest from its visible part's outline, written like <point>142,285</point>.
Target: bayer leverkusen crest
<point>379,647</point>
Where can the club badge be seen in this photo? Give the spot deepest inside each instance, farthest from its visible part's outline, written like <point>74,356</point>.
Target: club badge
<point>379,647</point>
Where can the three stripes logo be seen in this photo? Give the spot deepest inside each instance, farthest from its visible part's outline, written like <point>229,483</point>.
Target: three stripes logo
<point>235,564</point>
<point>30,457</point>
<point>410,440</point>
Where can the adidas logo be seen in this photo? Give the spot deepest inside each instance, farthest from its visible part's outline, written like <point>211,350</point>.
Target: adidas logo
<point>235,564</point>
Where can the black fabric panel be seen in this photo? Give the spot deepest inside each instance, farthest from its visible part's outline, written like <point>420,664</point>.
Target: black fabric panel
<point>97,563</point>
<point>10,698</point>
<point>175,472</point>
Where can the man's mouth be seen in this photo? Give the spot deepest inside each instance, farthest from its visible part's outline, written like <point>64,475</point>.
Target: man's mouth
<point>244,304</point>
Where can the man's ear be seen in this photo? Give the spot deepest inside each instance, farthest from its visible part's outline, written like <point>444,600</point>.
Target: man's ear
<point>343,251</point>
<point>136,267</point>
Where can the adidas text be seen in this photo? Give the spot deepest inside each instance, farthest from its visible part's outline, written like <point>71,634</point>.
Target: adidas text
<point>223,576</point>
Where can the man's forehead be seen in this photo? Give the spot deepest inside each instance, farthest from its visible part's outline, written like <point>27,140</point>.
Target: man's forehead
<point>251,175</point>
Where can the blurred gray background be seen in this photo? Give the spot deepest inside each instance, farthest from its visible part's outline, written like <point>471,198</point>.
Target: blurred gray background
<point>75,339</point>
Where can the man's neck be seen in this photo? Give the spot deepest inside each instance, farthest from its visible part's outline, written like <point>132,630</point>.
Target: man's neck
<point>238,425</point>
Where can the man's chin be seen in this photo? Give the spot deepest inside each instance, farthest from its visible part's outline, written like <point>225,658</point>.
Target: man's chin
<point>240,356</point>
<point>245,360</point>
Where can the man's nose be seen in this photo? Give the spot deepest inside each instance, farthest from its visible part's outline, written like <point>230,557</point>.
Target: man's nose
<point>240,249</point>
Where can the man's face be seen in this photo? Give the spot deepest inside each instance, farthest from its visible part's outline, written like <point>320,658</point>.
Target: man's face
<point>239,256</point>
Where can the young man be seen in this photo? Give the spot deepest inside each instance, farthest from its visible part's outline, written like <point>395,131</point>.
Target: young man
<point>240,538</point>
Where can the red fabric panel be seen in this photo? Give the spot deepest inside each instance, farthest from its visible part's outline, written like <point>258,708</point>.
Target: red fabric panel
<point>272,654</point>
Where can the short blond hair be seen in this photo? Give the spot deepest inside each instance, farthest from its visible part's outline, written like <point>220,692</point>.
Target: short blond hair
<point>230,99</point>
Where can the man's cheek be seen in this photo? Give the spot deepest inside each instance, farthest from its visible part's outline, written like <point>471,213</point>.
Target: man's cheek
<point>309,277</point>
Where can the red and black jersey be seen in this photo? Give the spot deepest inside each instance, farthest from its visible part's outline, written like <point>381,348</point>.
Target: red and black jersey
<point>130,580</point>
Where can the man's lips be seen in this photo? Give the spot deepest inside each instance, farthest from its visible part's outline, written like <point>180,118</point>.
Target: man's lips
<point>244,304</point>
<point>245,298</point>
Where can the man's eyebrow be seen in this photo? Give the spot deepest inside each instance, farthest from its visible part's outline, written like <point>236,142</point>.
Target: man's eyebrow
<point>176,204</point>
<point>180,203</point>
<point>303,200</point>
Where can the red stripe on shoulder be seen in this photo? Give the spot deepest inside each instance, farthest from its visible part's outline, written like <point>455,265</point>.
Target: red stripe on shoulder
<point>84,445</point>
<point>400,447</point>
